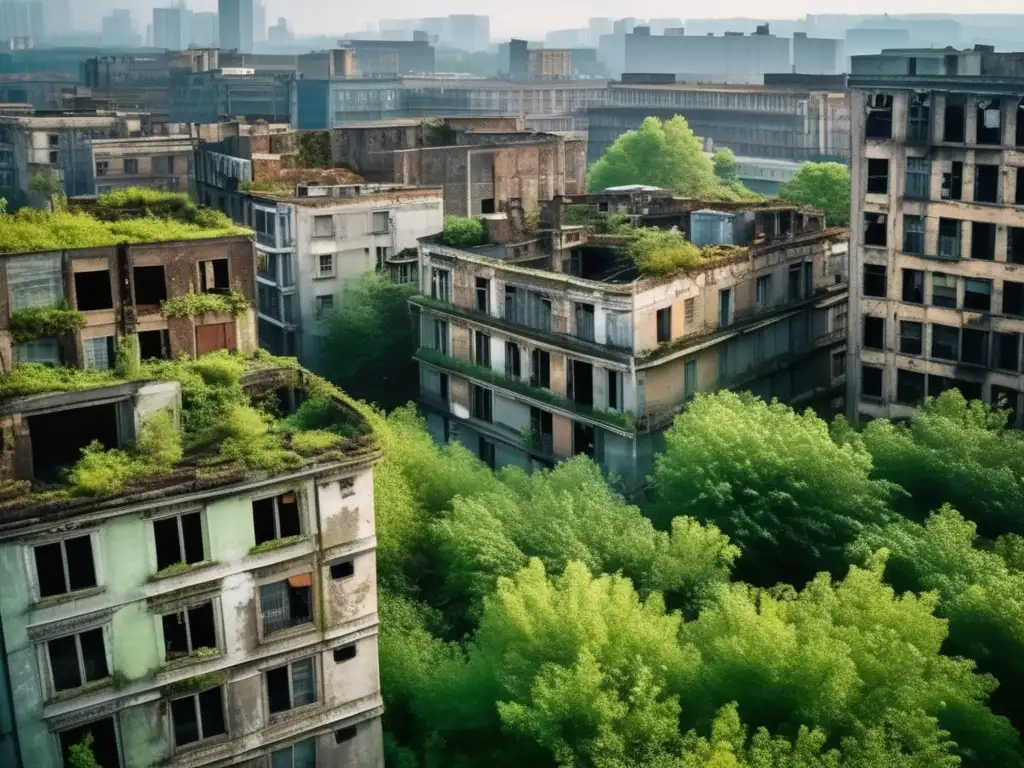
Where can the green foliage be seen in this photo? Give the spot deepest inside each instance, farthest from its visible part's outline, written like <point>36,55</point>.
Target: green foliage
<point>192,304</point>
<point>128,364</point>
<point>269,546</point>
<point>663,252</point>
<point>246,438</point>
<point>314,441</point>
<point>577,214</point>
<point>437,133</point>
<point>80,755</point>
<point>662,154</point>
<point>143,202</point>
<point>36,378</point>
<point>176,569</point>
<point>463,232</point>
<point>314,149</point>
<point>196,684</point>
<point>40,322</point>
<point>724,162</point>
<point>823,185</point>
<point>48,183</point>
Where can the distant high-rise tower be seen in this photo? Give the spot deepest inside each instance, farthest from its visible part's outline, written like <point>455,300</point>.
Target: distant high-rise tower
<point>259,22</point>
<point>236,24</point>
<point>58,17</point>
<point>169,28</point>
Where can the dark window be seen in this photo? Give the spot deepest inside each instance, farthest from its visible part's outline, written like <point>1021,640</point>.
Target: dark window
<point>1015,245</point>
<point>944,290</point>
<point>953,126</point>
<point>919,117</point>
<point>913,234</point>
<point>540,369</point>
<point>580,382</point>
<point>664,323</point>
<point>879,120</point>
<point>909,387</point>
<point>291,686</point>
<point>487,205</point>
<point>878,176</point>
<point>131,167</point>
<point>343,570</point>
<point>983,241</point>
<point>345,734</point>
<point>185,632</point>
<point>344,653</point>
<point>485,449</point>
<point>874,332</point>
<point>179,539</point>
<point>1013,298</point>
<point>483,294</point>
<point>919,171</point>
<point>482,349</point>
<point>65,566</point>
<point>986,183</point>
<point>1019,138</point>
<point>276,517</point>
<point>154,345</point>
<point>286,603</point>
<point>990,122</point>
<point>1019,191</point>
<point>513,362</point>
<point>874,280</point>
<point>585,321</point>
<point>953,182</point>
<point>871,381</point>
<point>974,346</point>
<point>911,335</point>
<point>92,290</point>
<point>584,440</point>
<point>945,342</point>
<point>949,238</point>
<point>1006,399</point>
<point>614,377</point>
<point>198,717</point>
<point>104,744</point>
<point>213,276</point>
<point>440,284</point>
<point>150,285</point>
<point>1008,351</point>
<point>875,229</point>
<point>793,283</point>
<point>913,286</point>
<point>978,294</point>
<point>482,403</point>
<point>77,659</point>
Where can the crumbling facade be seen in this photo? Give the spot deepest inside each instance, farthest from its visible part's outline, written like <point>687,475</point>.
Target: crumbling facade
<point>937,229</point>
<point>156,162</point>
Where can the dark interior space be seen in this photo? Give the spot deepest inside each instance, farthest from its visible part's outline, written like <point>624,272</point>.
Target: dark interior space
<point>213,276</point>
<point>276,518</point>
<point>581,383</point>
<point>1019,140</point>
<point>879,120</point>
<point>874,332</point>
<point>919,116</point>
<point>92,291</point>
<point>949,238</point>
<point>909,387</point>
<point>990,122</point>
<point>541,425</point>
<point>606,264</point>
<point>874,229</point>
<point>187,631</point>
<point>58,438</point>
<point>986,183</point>
<point>1013,298</point>
<point>939,384</point>
<point>104,744</point>
<point>983,241</point>
<point>179,539</point>
<point>953,182</point>
<point>1006,399</point>
<point>954,122</point>
<point>878,176</point>
<point>487,205</point>
<point>974,346</point>
<point>875,283</point>
<point>1008,351</point>
<point>150,285</point>
<point>343,570</point>
<point>1015,245</point>
<point>344,653</point>
<point>154,345</point>
<point>1018,196</point>
<point>80,572</point>
<point>583,439</point>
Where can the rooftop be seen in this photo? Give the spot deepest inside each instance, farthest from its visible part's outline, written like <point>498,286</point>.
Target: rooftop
<point>324,196</point>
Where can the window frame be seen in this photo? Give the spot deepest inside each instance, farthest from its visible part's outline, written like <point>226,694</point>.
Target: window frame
<point>375,228</point>
<point>319,231</point>
<point>330,271</point>
<point>277,578</point>
<point>175,746</point>
<point>292,706</point>
<point>324,304</point>
<point>299,508</point>
<point>181,537</point>
<point>33,563</point>
<point>77,636</point>
<point>290,748</point>
<point>190,643</point>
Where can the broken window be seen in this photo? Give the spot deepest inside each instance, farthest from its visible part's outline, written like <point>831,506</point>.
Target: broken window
<point>953,182</point>
<point>1013,298</point>
<point>913,234</point>
<point>918,117</point>
<point>974,346</point>
<point>913,286</point>
<point>945,342</point>
<point>441,284</point>
<point>663,321</point>
<point>724,308</point>
<point>344,653</point>
<point>343,569</point>
<point>179,539</point>
<point>909,387</point>
<point>542,427</point>
<point>911,338</point>
<point>585,321</point>
<point>92,291</point>
<point>944,290</point>
<point>949,238</point>
<point>986,183</point>
<point>870,381</point>
<point>584,440</point>
<point>150,285</point>
<point>580,382</point>
<point>286,603</point>
<point>990,122</point>
<point>1015,245</point>
<point>185,632</point>
<point>485,450</point>
<point>1007,351</point>
<point>540,369</point>
<point>483,295</point>
<point>482,403</point>
<point>77,659</point>
<point>65,566</point>
<point>1006,399</point>
<point>874,332</point>
<point>977,294</point>
<point>875,229</point>
<point>481,349</point>
<point>213,276</point>
<point>198,717</point>
<point>875,282</point>
<point>154,345</point>
<point>919,171</point>
<point>487,205</point>
<point>104,742</point>
<point>983,241</point>
<point>953,126</point>
<point>879,118</point>
<point>291,686</point>
<point>276,517</point>
<point>513,360</point>
<point>58,437</point>
<point>878,176</point>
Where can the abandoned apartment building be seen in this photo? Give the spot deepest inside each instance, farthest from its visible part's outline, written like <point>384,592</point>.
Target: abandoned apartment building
<point>546,344</point>
<point>938,229</point>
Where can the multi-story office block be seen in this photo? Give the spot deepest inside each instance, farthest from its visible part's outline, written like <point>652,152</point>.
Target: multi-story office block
<point>548,343</point>
<point>235,19</point>
<point>937,229</point>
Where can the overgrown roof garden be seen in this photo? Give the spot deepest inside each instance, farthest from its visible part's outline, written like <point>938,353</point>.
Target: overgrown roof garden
<point>134,215</point>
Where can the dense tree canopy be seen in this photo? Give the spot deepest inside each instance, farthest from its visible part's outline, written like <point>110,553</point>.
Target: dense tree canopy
<point>724,162</point>
<point>823,185</point>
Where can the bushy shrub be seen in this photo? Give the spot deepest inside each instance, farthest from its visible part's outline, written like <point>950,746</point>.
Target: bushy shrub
<point>40,322</point>
<point>314,441</point>
<point>36,378</point>
<point>100,472</point>
<point>191,304</point>
<point>663,252</point>
<point>249,441</point>
<point>461,232</point>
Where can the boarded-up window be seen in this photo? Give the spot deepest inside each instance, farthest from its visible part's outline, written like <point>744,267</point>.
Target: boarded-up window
<point>34,281</point>
<point>210,338</point>
<point>620,329</point>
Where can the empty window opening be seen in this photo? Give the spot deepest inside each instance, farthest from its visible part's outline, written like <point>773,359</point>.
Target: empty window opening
<point>345,734</point>
<point>944,290</point>
<point>287,603</point>
<point>487,205</point>
<point>1019,139</point>
<point>179,539</point>
<point>65,566</point>
<point>663,322</point>
<point>945,342</point>
<point>527,308</point>
<point>986,183</point>
<point>198,717</point>
<point>513,361</point>
<point>874,332</point>
<point>614,390</point>
<point>949,238</point>
<point>104,742</point>
<point>1019,191</point>
<point>485,450</point>
<point>974,346</point>
<point>875,229</point>
<point>878,176</point>
<point>1006,399</point>
<point>911,337</point>
<point>58,438</point>
<point>793,283</point>
<point>953,126</point>
<point>213,276</point>
<point>291,686</point>
<point>1015,245</point>
<point>879,118</point>
<point>953,181</point>
<point>483,295</point>
<point>92,291</point>
<point>870,381</point>
<point>185,632</point>
<point>77,660</point>
<point>918,116</point>
<point>1013,298</point>
<point>983,241</point>
<point>276,517</point>
<point>919,171</point>
<point>584,440</point>
<point>978,295</point>
<point>585,321</point>
<point>874,280</point>
<point>150,285</point>
<point>580,382</point>
<point>440,328</point>
<point>483,403</point>
<point>345,653</point>
<point>763,291</point>
<point>909,387</point>
<point>343,570</point>
<point>1007,351</point>
<point>482,349</point>
<point>990,122</point>
<point>540,369</point>
<point>913,234</point>
<point>541,431</point>
<point>154,345</point>
<point>724,308</point>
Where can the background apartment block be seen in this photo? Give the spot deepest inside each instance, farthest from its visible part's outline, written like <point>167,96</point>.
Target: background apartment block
<point>937,229</point>
<point>155,162</point>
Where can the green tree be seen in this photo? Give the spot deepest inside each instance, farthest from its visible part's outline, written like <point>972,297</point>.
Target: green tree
<point>756,472</point>
<point>370,342</point>
<point>47,183</point>
<point>662,154</point>
<point>725,165</point>
<point>823,185</point>
<point>463,232</point>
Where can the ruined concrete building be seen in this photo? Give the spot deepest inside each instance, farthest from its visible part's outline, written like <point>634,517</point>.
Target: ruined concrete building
<point>938,233</point>
<point>554,340</point>
<point>185,582</point>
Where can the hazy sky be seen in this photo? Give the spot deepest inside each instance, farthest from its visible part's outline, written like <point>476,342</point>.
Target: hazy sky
<point>535,16</point>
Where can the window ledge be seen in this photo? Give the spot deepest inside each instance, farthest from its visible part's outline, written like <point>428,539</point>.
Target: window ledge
<point>81,690</point>
<point>285,634</point>
<point>275,544</point>
<point>190,660</point>
<point>80,594</point>
<point>277,718</point>
<point>324,277</point>
<point>178,569</point>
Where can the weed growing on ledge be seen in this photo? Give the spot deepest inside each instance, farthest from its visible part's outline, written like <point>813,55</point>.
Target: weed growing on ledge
<point>40,322</point>
<point>268,546</point>
<point>196,684</point>
<point>192,304</point>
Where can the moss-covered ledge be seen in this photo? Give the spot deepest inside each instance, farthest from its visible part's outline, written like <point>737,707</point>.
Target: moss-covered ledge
<point>176,569</point>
